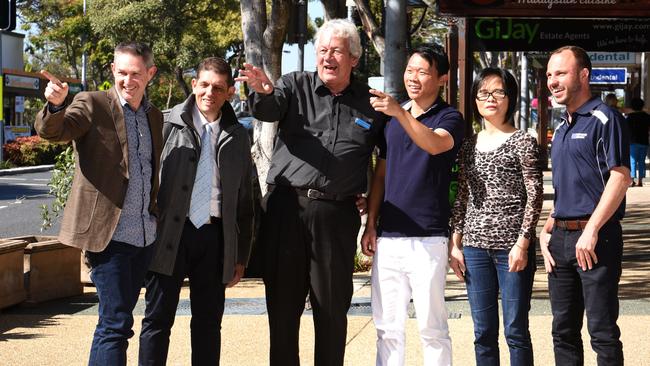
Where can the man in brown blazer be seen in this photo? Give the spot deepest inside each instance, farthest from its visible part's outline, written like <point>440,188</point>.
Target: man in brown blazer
<point>111,209</point>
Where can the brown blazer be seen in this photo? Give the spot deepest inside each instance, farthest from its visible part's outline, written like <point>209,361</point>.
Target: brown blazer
<point>94,122</point>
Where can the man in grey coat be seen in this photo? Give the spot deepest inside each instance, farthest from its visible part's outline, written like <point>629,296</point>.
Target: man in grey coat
<point>206,216</point>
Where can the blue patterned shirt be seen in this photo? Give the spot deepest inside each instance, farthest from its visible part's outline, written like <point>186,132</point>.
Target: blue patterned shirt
<point>137,226</point>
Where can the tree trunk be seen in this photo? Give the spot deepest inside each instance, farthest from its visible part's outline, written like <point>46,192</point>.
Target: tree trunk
<point>371,27</point>
<point>334,9</point>
<point>263,41</point>
<point>178,74</point>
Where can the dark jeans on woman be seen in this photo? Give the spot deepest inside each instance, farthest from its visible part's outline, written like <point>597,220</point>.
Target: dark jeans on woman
<point>118,274</point>
<point>487,275</point>
<point>573,291</point>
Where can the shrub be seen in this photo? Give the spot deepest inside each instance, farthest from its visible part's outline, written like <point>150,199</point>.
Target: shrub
<point>30,151</point>
<point>60,185</point>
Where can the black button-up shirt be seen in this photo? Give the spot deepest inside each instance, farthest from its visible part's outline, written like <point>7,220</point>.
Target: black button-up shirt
<point>324,141</point>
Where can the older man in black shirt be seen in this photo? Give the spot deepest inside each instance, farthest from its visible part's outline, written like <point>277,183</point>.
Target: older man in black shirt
<point>327,132</point>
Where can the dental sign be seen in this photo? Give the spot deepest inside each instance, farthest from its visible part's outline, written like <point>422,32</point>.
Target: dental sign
<point>545,8</point>
<point>613,75</point>
<point>536,34</point>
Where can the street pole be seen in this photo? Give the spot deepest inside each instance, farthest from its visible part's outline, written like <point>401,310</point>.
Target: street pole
<point>395,54</point>
<point>523,100</point>
<point>302,33</point>
<point>2,106</point>
<point>84,87</point>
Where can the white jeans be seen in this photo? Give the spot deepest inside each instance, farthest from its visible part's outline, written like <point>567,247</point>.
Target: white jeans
<point>405,267</point>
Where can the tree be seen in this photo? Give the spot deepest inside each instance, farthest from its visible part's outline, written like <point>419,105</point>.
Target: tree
<point>180,32</point>
<point>56,30</point>
<point>264,30</point>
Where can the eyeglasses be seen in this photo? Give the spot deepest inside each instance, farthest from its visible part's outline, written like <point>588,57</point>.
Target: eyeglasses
<point>498,94</point>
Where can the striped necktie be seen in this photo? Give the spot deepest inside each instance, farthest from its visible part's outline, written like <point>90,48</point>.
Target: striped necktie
<point>202,191</point>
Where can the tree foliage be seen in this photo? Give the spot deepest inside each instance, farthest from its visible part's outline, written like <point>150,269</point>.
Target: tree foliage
<point>56,33</point>
<point>181,32</point>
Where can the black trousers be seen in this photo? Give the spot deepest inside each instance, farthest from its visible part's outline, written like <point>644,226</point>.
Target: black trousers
<point>572,291</point>
<point>309,249</point>
<point>200,258</point>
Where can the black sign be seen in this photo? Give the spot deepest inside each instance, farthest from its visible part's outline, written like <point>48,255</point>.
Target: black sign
<point>545,8</point>
<point>7,15</point>
<point>512,34</point>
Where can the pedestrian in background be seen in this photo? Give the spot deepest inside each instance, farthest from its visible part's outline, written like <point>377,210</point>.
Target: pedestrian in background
<point>638,122</point>
<point>500,196</point>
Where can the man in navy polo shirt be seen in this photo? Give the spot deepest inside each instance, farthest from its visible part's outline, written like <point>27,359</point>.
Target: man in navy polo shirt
<point>581,240</point>
<point>408,219</point>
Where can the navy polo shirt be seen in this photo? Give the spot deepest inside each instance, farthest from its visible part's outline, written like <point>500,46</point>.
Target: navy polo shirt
<point>416,195</point>
<point>583,152</point>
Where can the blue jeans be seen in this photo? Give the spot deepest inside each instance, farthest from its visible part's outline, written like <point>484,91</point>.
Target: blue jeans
<point>487,275</point>
<point>637,160</point>
<point>118,274</point>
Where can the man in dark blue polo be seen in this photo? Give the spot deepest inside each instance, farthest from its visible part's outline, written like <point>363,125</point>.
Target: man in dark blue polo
<point>407,230</point>
<point>582,240</point>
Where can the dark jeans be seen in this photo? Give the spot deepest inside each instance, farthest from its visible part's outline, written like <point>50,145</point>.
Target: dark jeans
<point>487,275</point>
<point>573,291</point>
<point>118,274</point>
<point>200,258</point>
<point>310,247</point>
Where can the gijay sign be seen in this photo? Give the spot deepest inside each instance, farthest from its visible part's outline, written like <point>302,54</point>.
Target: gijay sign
<point>537,34</point>
<point>545,8</point>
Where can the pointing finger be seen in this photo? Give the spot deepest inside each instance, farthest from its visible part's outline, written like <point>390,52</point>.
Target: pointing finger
<point>51,78</point>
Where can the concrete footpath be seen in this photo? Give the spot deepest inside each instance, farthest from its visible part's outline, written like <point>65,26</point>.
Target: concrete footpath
<point>60,332</point>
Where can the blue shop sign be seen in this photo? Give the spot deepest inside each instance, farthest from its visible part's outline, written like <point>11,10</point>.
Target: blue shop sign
<point>611,75</point>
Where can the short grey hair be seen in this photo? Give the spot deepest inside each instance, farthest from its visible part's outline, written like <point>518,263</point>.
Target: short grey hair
<point>342,28</point>
<point>138,49</point>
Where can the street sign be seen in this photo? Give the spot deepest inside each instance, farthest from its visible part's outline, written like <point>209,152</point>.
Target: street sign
<point>611,75</point>
<point>22,82</point>
<point>19,104</point>
<point>613,58</point>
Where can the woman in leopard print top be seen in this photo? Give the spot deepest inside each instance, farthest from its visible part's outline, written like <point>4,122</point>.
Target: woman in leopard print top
<point>494,218</point>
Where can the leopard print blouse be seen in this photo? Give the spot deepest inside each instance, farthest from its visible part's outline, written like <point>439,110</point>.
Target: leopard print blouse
<point>500,193</point>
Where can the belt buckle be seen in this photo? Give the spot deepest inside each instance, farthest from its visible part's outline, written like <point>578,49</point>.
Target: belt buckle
<point>313,194</point>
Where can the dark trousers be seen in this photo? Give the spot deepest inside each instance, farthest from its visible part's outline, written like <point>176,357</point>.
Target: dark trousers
<point>200,258</point>
<point>118,274</point>
<point>309,248</point>
<point>572,291</point>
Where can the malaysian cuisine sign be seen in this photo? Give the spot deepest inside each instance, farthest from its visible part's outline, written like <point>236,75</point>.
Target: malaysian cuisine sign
<point>545,8</point>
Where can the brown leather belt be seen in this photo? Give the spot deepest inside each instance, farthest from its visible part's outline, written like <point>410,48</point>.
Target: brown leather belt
<point>318,195</point>
<point>571,225</point>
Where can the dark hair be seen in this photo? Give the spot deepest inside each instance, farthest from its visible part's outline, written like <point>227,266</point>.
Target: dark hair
<point>581,56</point>
<point>218,65</point>
<point>509,83</point>
<point>637,104</point>
<point>435,56</point>
<point>136,49</point>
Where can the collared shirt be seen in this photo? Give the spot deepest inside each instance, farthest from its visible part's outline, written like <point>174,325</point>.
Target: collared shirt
<point>416,194</point>
<point>199,121</point>
<point>583,152</point>
<point>137,226</point>
<point>324,141</point>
